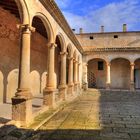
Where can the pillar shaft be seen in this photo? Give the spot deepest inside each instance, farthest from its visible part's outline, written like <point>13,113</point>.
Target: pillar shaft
<point>85,78</point>
<point>132,72</point>
<point>24,69</point>
<point>51,57</point>
<point>78,77</point>
<point>132,76</point>
<point>108,80</point>
<point>75,71</point>
<point>63,69</point>
<point>70,72</point>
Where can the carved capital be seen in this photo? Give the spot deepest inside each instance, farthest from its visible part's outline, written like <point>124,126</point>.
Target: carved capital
<point>108,64</point>
<point>132,64</point>
<point>63,53</point>
<point>25,27</point>
<point>70,58</point>
<point>52,45</point>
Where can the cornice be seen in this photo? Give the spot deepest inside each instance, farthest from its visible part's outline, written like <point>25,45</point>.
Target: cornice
<point>53,9</point>
<point>124,49</point>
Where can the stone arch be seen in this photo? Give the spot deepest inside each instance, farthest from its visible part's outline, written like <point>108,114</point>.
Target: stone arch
<point>121,67</point>
<point>48,26</point>
<point>23,11</point>
<point>120,57</point>
<point>39,50</point>
<point>35,82</point>
<point>97,73</point>
<point>43,81</point>
<point>136,59</point>
<point>69,50</point>
<point>75,55</point>
<point>12,84</point>
<point>96,57</point>
<point>62,41</point>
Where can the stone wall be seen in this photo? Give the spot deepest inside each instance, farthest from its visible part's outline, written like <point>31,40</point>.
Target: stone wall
<point>107,40</point>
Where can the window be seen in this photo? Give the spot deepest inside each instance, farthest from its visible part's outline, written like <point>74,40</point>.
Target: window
<point>115,36</point>
<point>100,65</point>
<point>91,37</point>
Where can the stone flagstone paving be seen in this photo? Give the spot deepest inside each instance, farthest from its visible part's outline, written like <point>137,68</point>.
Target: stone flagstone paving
<point>95,116</point>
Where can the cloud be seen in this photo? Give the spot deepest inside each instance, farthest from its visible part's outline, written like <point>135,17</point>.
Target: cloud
<point>112,16</point>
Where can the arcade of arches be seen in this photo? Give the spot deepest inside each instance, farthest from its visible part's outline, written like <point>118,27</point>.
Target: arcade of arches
<point>119,73</point>
<point>41,56</point>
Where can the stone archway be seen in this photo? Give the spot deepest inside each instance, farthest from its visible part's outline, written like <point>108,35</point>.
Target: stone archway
<point>39,53</point>
<point>120,73</point>
<point>58,61</point>
<point>97,73</point>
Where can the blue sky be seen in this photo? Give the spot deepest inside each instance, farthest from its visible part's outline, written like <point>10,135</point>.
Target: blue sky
<point>91,14</point>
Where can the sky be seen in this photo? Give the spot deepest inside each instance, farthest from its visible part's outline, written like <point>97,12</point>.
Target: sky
<point>91,14</point>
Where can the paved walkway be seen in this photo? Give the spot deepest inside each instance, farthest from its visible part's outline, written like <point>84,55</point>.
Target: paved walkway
<point>97,116</point>
<point>92,116</point>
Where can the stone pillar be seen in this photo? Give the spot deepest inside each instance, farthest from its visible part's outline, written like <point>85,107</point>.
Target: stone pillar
<point>49,91</point>
<point>78,77</point>
<point>70,76</point>
<point>22,103</point>
<point>75,71</point>
<point>132,88</point>
<point>75,76</point>
<point>108,80</point>
<point>62,86</point>
<point>85,78</point>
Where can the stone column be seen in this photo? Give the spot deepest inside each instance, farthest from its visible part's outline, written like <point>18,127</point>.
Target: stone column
<point>75,76</point>
<point>78,77</point>
<point>22,103</point>
<point>62,86</point>
<point>108,80</point>
<point>85,78</point>
<point>70,76</point>
<point>49,91</point>
<point>75,71</point>
<point>132,88</point>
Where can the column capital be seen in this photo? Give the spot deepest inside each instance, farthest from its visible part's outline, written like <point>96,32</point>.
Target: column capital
<point>70,58</point>
<point>79,63</point>
<point>52,45</point>
<point>63,53</point>
<point>132,64</point>
<point>25,27</point>
<point>75,61</point>
<point>108,64</point>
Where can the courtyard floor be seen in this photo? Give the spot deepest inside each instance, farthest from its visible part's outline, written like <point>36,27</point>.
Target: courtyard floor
<point>95,115</point>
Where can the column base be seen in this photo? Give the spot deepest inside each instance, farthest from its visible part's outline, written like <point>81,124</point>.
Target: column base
<point>22,111</point>
<point>70,89</point>
<point>132,86</point>
<point>49,97</point>
<point>108,86</point>
<point>63,92</point>
<point>85,86</point>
